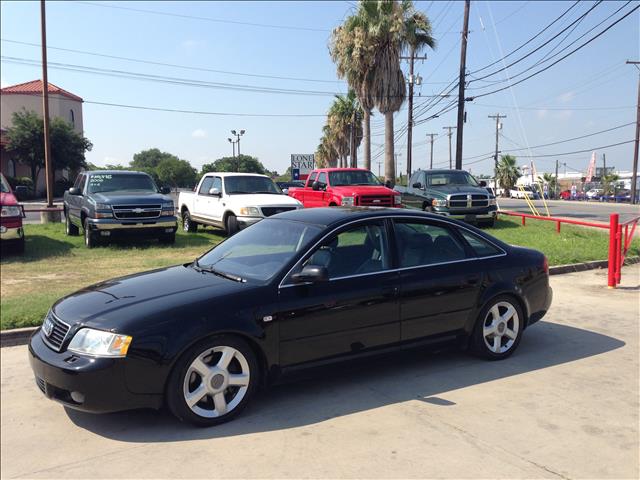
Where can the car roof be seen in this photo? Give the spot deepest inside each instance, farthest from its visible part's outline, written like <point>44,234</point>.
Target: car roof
<point>328,216</point>
<point>235,174</point>
<point>442,170</point>
<point>336,169</point>
<point>112,172</point>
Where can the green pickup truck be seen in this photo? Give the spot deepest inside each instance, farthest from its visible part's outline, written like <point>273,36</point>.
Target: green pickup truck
<point>453,193</point>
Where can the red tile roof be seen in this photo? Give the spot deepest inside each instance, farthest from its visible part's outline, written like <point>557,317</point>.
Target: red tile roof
<point>35,88</point>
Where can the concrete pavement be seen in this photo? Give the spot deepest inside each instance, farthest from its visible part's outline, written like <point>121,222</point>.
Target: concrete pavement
<point>565,405</point>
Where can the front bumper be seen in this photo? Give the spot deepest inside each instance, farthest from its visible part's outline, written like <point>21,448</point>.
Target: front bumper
<point>11,233</point>
<point>490,213</point>
<point>98,382</point>
<point>244,222</point>
<point>166,224</point>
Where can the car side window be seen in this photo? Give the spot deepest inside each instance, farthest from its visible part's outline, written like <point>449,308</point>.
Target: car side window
<point>217,183</point>
<point>312,178</point>
<point>82,183</point>
<point>422,243</point>
<point>480,246</point>
<point>359,250</point>
<point>206,186</point>
<point>76,184</point>
<point>322,179</point>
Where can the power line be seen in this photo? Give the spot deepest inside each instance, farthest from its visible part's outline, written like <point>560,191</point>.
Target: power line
<point>572,153</point>
<point>562,58</point>
<point>206,19</point>
<point>542,107</point>
<point>174,65</point>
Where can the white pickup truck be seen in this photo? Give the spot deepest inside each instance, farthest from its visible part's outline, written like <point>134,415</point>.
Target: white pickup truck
<point>232,201</point>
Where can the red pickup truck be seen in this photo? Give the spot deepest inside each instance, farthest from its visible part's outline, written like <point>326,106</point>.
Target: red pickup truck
<point>11,232</point>
<point>347,187</point>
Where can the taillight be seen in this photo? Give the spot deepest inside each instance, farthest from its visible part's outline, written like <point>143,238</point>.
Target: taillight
<point>545,265</point>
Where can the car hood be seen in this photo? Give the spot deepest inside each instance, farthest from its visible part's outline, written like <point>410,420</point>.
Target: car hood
<point>115,304</point>
<point>265,199</point>
<point>355,190</point>
<point>129,198</point>
<point>445,190</point>
<point>8,199</point>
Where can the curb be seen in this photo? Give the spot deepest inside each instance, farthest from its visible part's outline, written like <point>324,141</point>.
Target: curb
<point>20,336</point>
<point>16,336</point>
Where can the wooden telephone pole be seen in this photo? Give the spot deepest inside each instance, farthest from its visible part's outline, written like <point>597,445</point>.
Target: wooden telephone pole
<point>450,129</point>
<point>461,85</point>
<point>497,116</point>
<point>634,172</point>
<point>48,167</point>
<point>431,135</point>
<point>413,79</point>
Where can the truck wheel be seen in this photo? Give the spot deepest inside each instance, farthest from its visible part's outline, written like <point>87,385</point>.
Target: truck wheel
<point>231,225</point>
<point>90,239</point>
<point>70,229</point>
<point>188,225</point>
<point>498,329</point>
<point>168,239</point>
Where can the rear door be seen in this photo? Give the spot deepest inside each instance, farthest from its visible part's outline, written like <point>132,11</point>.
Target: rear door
<point>440,278</point>
<point>202,202</point>
<point>356,310</point>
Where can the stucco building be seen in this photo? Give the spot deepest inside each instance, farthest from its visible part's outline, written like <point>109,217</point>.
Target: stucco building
<point>28,96</point>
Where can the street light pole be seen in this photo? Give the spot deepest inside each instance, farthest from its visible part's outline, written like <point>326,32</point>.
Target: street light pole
<point>238,135</point>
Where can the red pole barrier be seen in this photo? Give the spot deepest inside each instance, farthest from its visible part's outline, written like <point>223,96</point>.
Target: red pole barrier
<point>558,226</point>
<point>613,228</point>
<point>619,255</point>
<point>523,219</point>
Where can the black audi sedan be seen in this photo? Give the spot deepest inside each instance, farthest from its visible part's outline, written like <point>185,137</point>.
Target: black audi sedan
<point>294,290</point>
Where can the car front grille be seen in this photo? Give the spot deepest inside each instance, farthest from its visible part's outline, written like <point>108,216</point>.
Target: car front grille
<point>375,201</point>
<point>128,212</point>
<point>467,201</point>
<point>54,334</point>
<point>42,385</point>
<point>268,211</point>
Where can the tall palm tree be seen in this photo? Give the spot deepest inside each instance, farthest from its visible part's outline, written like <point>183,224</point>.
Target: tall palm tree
<point>508,172</point>
<point>609,183</point>
<point>343,117</point>
<point>550,180</point>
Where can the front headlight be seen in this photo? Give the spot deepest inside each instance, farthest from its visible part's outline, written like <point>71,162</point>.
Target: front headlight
<point>168,208</point>
<point>100,343</point>
<point>397,200</point>
<point>11,211</point>
<point>347,202</point>
<point>492,201</point>
<point>250,211</point>
<point>103,206</point>
<point>438,203</point>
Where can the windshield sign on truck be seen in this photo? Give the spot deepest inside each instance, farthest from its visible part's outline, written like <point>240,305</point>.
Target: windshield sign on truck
<point>301,165</point>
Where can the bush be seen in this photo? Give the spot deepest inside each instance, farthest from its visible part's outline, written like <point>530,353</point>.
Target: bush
<point>60,186</point>
<point>22,182</point>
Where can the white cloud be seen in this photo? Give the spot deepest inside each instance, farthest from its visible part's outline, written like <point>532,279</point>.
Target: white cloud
<point>566,97</point>
<point>198,133</point>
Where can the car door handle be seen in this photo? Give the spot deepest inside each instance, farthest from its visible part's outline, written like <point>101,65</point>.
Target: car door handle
<point>472,280</point>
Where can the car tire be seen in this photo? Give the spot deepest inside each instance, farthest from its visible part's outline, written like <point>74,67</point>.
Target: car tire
<point>499,328</point>
<point>213,381</point>
<point>231,225</point>
<point>90,239</point>
<point>188,225</point>
<point>168,239</point>
<point>70,229</point>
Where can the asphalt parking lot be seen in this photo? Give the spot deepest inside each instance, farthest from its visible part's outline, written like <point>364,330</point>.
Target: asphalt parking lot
<point>564,406</point>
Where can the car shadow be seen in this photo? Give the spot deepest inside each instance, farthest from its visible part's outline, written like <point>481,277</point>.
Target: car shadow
<point>36,248</point>
<point>355,387</point>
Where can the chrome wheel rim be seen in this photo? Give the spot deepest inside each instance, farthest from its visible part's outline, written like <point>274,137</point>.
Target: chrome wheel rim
<point>500,327</point>
<point>185,224</point>
<point>86,235</point>
<point>216,382</point>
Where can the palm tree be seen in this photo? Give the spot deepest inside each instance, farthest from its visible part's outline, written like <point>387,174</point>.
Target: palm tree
<point>508,172</point>
<point>344,115</point>
<point>550,180</point>
<point>609,183</point>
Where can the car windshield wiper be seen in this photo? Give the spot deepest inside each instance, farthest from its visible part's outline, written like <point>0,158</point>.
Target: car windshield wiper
<point>219,273</point>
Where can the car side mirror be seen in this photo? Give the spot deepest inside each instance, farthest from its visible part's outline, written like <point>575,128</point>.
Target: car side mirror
<point>74,191</point>
<point>387,184</point>
<point>214,192</point>
<point>311,274</point>
<point>483,183</point>
<point>165,190</point>
<point>285,191</point>
<point>417,185</point>
<point>315,186</point>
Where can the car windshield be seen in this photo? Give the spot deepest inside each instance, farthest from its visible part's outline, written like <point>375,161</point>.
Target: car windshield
<point>113,182</point>
<point>260,251</point>
<point>243,184</point>
<point>352,177</point>
<point>4,186</point>
<point>450,178</point>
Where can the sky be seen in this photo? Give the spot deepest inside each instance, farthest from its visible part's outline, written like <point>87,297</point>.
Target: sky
<point>232,50</point>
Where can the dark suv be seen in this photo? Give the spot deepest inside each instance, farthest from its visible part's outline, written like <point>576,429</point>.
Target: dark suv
<point>105,204</point>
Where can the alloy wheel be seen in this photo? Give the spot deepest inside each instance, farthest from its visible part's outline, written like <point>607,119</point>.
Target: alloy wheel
<point>216,381</point>
<point>500,327</point>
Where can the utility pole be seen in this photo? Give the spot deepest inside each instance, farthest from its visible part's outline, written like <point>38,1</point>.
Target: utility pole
<point>634,172</point>
<point>461,85</point>
<point>555,190</point>
<point>413,79</point>
<point>449,134</point>
<point>48,167</point>
<point>497,116</point>
<point>379,162</point>
<point>352,145</point>
<point>604,165</point>
<point>431,135</point>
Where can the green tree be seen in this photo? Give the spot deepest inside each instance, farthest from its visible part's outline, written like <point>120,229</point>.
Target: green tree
<point>550,180</point>
<point>243,164</point>
<point>176,173</point>
<point>26,141</point>
<point>508,172</point>
<point>148,161</point>
<point>609,183</point>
